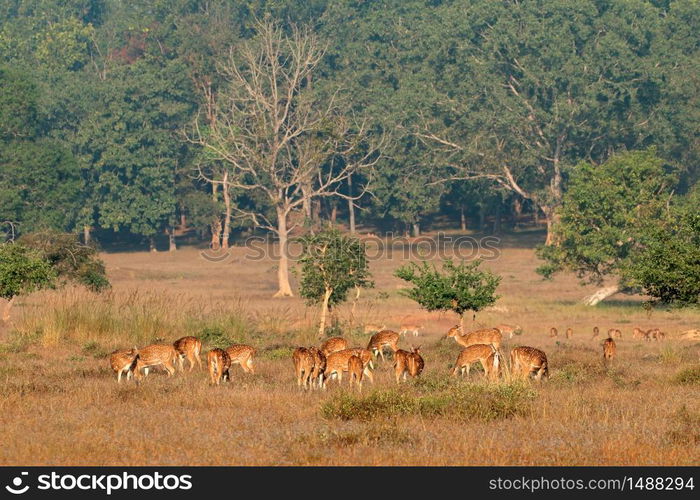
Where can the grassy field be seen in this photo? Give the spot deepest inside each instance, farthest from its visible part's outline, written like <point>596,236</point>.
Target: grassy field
<point>60,403</point>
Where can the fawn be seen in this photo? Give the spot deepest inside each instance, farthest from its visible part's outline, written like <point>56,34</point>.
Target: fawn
<point>472,354</point>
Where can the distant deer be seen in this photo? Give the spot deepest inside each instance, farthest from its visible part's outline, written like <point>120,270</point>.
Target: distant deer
<point>333,344</point>
<point>355,370</point>
<point>484,336</point>
<point>303,366</point>
<point>372,329</point>
<point>655,334</point>
<point>381,339</point>
<point>242,355</point>
<point>609,350</point>
<point>553,332</point>
<point>509,330</point>
<point>615,333</point>
<point>569,333</point>
<point>124,362</point>
<point>473,354</point>
<point>410,328</point>
<point>639,334</point>
<point>596,332</point>
<point>188,347</point>
<point>157,355</point>
<point>527,360</point>
<point>337,363</point>
<point>219,363</point>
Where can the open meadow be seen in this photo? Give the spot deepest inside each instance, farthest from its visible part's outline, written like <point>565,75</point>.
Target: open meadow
<point>60,403</point>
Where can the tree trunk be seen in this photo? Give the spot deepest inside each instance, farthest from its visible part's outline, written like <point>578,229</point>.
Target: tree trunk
<point>482,217</point>
<point>86,235</point>
<point>334,212</point>
<point>600,295</point>
<point>7,309</point>
<point>172,246</point>
<point>306,201</point>
<point>551,218</point>
<point>216,223</point>
<point>462,218</point>
<point>183,221</point>
<point>284,288</point>
<point>324,311</point>
<point>227,217</point>
<point>351,206</point>
<point>416,229</point>
<point>497,220</point>
<point>152,244</point>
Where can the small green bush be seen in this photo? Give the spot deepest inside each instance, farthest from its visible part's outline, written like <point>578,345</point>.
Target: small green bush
<point>688,376</point>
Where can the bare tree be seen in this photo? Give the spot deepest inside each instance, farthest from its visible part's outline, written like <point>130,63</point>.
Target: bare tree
<point>276,137</point>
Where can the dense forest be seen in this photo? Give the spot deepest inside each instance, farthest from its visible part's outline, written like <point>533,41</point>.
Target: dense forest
<point>141,117</point>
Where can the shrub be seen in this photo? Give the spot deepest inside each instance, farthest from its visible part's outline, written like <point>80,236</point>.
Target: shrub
<point>689,376</point>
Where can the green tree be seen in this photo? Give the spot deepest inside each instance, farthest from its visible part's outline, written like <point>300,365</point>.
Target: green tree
<point>602,216</point>
<point>331,265</point>
<point>667,265</point>
<point>457,287</point>
<point>22,271</point>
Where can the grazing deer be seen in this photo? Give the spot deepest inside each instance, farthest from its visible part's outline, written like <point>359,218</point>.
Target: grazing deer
<point>382,339</point>
<point>472,354</point>
<point>527,360</point>
<point>493,365</point>
<point>615,333</point>
<point>303,366</point>
<point>372,329</point>
<point>319,368</point>
<point>410,328</point>
<point>569,333</point>
<point>355,370</point>
<point>156,355</point>
<point>484,336</point>
<point>596,332</point>
<point>509,330</point>
<point>337,363</point>
<point>638,333</point>
<point>242,354</point>
<point>553,332</point>
<point>401,364</point>
<point>188,347</point>
<point>655,334</point>
<point>124,362</point>
<point>333,344</point>
<point>219,363</point>
<point>609,350</point>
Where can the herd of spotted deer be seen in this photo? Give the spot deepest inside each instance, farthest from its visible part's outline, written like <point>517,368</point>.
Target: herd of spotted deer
<point>314,366</point>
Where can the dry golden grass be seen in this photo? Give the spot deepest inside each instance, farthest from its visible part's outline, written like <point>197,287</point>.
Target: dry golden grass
<point>60,403</point>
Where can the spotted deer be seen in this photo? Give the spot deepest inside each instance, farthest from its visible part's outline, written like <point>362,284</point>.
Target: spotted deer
<point>355,370</point>
<point>415,362</point>
<point>509,330</point>
<point>401,364</point>
<point>333,344</point>
<point>153,355</point>
<point>319,369</point>
<point>242,355</point>
<point>615,333</point>
<point>188,347</point>
<point>337,363</point>
<point>473,354</point>
<point>381,339</point>
<point>553,332</point>
<point>123,362</point>
<point>219,363</point>
<point>410,328</point>
<point>527,360</point>
<point>596,332</point>
<point>484,336</point>
<point>303,366</point>
<point>655,334</point>
<point>609,350</point>
<point>569,333</point>
<point>639,334</point>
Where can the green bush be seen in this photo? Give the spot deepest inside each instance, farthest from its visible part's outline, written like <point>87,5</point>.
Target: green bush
<point>689,376</point>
